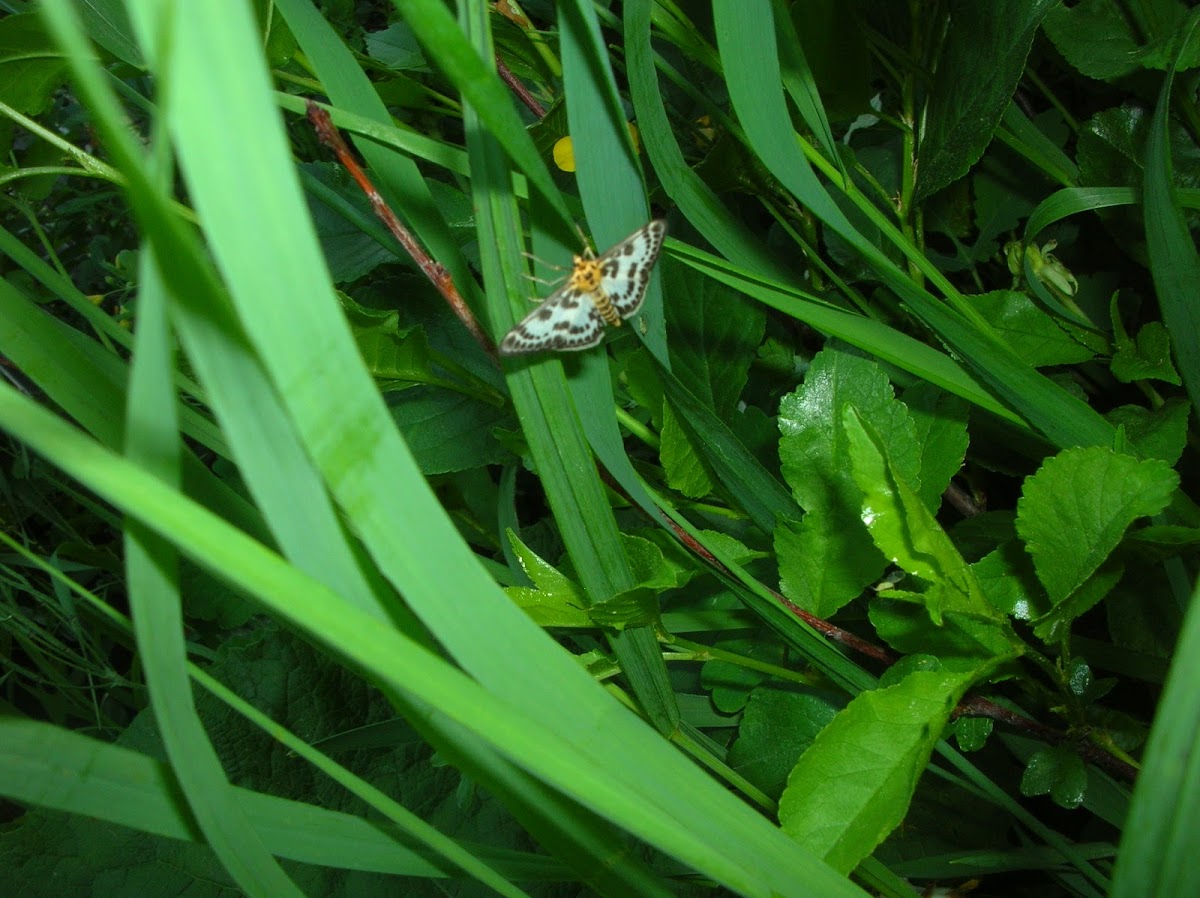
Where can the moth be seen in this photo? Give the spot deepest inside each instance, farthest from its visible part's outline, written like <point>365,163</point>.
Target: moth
<point>600,290</point>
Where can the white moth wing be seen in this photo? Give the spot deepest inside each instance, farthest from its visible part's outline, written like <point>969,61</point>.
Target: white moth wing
<point>625,269</point>
<point>569,318</point>
<point>566,320</point>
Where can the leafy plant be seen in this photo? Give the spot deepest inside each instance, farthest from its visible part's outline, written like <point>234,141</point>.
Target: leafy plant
<point>856,559</point>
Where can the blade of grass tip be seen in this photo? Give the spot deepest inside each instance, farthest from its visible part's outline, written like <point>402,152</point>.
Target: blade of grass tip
<point>152,572</point>
<point>1071,201</point>
<point>1173,262</point>
<point>612,190</point>
<point>802,87</point>
<point>696,200</point>
<point>613,194</point>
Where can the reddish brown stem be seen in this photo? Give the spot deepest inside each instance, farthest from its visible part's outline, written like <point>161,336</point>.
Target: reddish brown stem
<point>435,271</point>
<point>522,92</point>
<point>977,706</point>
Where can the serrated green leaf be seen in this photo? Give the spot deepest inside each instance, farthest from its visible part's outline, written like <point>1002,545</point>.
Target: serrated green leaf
<point>1008,580</point>
<point>971,733</point>
<point>714,335</point>
<point>1075,509</point>
<point>1147,357</point>
<point>940,420</point>
<point>554,600</point>
<point>1102,41</point>
<point>682,463</point>
<point>448,431</point>
<point>1037,337</point>
<point>905,530</point>
<point>959,643</point>
<point>823,562</point>
<point>1051,627</point>
<point>853,785</point>
<point>637,607</point>
<point>986,46</point>
<point>777,725</point>
<point>1161,433</point>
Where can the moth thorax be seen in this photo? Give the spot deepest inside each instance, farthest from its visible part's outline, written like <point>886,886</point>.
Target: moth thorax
<point>586,275</point>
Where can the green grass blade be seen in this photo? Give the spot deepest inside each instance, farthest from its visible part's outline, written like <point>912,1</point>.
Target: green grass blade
<point>621,768</point>
<point>699,204</point>
<point>62,770</point>
<point>1173,261</point>
<point>1157,855</point>
<point>753,75</point>
<point>152,570</point>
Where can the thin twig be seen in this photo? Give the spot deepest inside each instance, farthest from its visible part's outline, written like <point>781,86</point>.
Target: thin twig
<point>519,89</point>
<point>435,271</point>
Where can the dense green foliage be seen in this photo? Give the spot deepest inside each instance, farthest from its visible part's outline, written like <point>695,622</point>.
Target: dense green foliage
<point>861,557</point>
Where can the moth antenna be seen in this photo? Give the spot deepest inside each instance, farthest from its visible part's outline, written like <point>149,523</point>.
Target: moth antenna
<point>583,241</point>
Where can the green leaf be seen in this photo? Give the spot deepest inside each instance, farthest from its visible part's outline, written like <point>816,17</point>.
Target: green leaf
<point>1035,336</point>
<point>1102,40</point>
<point>940,420</point>
<point>982,61</point>
<point>554,600</point>
<point>682,463</point>
<point>1051,626</point>
<point>32,67</point>
<point>1160,433</point>
<point>714,336</point>
<point>1147,357</point>
<point>905,530</point>
<point>1158,847</point>
<point>778,724</point>
<point>826,562</point>
<point>1075,509</point>
<point>448,431</point>
<point>1057,772</point>
<point>821,568</point>
<point>971,733</point>
<point>959,643</point>
<point>853,785</point>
